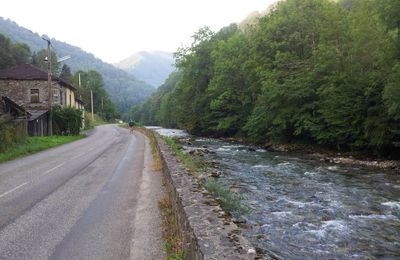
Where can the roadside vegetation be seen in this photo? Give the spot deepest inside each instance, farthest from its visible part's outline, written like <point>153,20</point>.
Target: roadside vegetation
<point>190,163</point>
<point>171,235</point>
<point>15,142</point>
<point>35,144</point>
<point>66,120</point>
<point>12,133</point>
<point>230,201</point>
<point>90,124</point>
<point>157,163</point>
<point>172,239</point>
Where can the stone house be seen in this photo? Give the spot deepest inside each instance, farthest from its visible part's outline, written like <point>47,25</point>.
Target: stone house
<point>27,86</point>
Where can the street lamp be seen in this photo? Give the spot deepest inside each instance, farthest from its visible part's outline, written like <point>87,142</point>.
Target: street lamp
<point>50,121</point>
<point>50,105</point>
<point>63,58</point>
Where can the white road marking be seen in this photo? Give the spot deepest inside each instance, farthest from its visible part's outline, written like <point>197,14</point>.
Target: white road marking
<point>77,156</point>
<point>52,169</point>
<point>16,188</point>
<point>25,183</point>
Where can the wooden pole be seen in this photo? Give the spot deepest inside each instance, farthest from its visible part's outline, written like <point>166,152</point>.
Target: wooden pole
<point>50,122</point>
<point>91,101</point>
<point>102,108</point>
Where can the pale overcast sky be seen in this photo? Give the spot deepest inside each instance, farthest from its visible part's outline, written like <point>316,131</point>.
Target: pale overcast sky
<point>114,30</point>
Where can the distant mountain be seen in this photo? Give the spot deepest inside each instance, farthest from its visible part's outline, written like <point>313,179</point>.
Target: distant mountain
<point>124,89</point>
<point>152,67</point>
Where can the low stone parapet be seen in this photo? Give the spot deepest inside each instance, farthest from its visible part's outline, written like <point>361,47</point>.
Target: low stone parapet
<point>205,232</point>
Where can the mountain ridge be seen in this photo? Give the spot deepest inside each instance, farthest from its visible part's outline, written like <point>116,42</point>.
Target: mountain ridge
<point>152,67</point>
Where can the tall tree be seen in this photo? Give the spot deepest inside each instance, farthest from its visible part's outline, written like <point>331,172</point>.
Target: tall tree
<point>93,81</point>
<point>65,73</point>
<point>231,98</point>
<point>42,61</point>
<point>190,93</point>
<point>12,54</point>
<point>34,59</point>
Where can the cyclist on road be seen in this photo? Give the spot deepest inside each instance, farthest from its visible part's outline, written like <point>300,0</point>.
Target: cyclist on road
<point>131,126</point>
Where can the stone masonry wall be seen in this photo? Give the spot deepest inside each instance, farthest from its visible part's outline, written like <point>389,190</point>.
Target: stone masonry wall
<point>20,92</point>
<point>206,234</point>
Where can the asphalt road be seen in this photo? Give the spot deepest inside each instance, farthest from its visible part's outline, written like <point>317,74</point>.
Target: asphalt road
<point>95,198</point>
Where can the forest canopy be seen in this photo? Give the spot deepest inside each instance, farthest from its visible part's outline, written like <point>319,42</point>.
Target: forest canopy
<point>315,70</point>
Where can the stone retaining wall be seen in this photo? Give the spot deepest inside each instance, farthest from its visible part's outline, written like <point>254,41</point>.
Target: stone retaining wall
<point>206,234</point>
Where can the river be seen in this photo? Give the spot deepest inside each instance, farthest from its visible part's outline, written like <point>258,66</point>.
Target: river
<point>307,209</point>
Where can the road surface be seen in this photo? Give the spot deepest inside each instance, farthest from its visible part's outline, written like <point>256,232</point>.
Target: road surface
<point>95,198</point>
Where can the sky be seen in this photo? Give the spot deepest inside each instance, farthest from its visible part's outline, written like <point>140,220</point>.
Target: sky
<point>114,30</point>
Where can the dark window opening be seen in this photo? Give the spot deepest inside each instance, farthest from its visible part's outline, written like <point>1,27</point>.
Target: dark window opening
<point>35,95</point>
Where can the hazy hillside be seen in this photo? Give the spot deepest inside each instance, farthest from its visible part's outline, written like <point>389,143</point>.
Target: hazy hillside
<point>252,18</point>
<point>151,67</point>
<point>124,89</point>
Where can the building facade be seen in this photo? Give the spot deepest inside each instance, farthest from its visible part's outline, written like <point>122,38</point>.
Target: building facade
<point>27,86</point>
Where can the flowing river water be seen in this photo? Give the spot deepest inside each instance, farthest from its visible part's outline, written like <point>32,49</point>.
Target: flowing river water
<point>302,208</point>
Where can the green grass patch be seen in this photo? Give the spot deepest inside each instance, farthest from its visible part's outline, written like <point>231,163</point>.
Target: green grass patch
<point>195,165</point>
<point>231,202</point>
<point>36,144</point>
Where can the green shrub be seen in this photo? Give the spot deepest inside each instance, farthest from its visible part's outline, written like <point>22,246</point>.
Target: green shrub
<point>11,133</point>
<point>66,120</point>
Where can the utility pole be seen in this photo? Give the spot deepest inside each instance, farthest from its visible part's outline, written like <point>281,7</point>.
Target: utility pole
<point>91,101</point>
<point>102,107</point>
<point>50,121</point>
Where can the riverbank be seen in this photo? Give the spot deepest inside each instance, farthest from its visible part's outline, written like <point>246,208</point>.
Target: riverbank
<point>322,153</point>
<point>331,156</point>
<point>296,200</point>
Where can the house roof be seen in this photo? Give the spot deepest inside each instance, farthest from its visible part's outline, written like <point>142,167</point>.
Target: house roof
<point>35,114</point>
<point>30,72</point>
<point>15,105</point>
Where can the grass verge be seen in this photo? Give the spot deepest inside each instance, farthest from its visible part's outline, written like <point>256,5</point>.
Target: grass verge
<point>191,163</point>
<point>36,144</point>
<point>172,240</point>
<point>157,164</point>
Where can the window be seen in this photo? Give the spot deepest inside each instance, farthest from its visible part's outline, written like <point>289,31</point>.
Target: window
<point>34,95</point>
<point>56,96</point>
